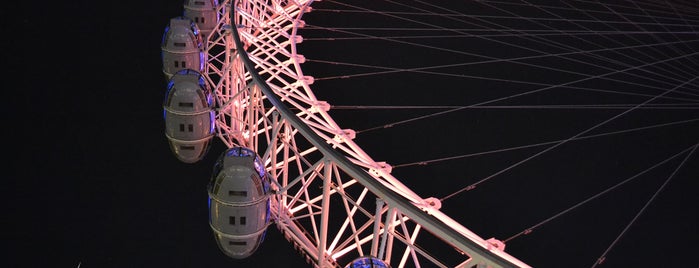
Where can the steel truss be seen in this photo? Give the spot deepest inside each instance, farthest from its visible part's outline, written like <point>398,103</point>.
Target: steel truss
<point>330,200</point>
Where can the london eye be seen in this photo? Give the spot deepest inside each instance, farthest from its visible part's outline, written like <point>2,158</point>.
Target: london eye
<point>238,72</point>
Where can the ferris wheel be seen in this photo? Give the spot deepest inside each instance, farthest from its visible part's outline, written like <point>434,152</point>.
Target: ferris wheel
<point>238,77</point>
<point>331,200</point>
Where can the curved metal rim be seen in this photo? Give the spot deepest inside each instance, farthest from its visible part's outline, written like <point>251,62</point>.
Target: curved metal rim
<point>406,207</point>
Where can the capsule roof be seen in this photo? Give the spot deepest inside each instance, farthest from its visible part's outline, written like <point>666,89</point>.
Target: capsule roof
<point>367,262</point>
<point>239,207</point>
<point>201,4</point>
<point>182,35</point>
<point>203,13</point>
<point>189,90</point>
<point>189,116</point>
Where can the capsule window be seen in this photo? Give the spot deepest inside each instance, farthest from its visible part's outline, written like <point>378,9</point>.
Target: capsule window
<point>187,147</point>
<point>190,127</point>
<point>203,152</point>
<point>238,193</point>
<point>203,98</point>
<point>231,220</point>
<point>179,44</point>
<point>184,64</point>
<point>181,127</point>
<point>258,184</point>
<point>237,243</point>
<point>199,3</point>
<point>177,64</point>
<point>202,19</point>
<point>242,220</point>
<point>186,104</point>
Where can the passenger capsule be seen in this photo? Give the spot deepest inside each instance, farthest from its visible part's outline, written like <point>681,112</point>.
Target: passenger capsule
<point>189,116</point>
<point>181,47</point>
<point>238,202</point>
<point>367,262</point>
<point>203,13</point>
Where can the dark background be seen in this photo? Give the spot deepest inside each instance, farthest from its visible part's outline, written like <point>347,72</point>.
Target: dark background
<point>92,180</point>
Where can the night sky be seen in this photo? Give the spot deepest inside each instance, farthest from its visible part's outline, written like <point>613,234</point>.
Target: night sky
<point>94,183</point>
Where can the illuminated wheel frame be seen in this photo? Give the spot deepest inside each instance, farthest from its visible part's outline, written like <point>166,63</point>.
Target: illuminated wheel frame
<point>331,200</point>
